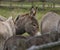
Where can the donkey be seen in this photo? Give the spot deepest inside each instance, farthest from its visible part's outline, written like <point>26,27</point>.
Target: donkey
<point>27,23</point>
<point>50,22</point>
<point>43,39</point>
<point>15,43</point>
<point>7,29</point>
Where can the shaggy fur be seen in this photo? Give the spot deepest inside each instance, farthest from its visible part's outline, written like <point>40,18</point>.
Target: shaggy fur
<point>27,23</point>
<point>43,39</point>
<point>15,43</point>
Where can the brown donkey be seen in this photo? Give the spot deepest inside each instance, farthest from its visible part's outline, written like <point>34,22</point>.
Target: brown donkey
<point>27,23</point>
<point>15,43</point>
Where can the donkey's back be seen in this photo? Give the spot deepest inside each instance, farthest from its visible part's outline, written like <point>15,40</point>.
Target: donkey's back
<point>49,22</point>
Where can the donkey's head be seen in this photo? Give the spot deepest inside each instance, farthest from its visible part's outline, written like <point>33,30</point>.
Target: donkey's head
<point>33,11</point>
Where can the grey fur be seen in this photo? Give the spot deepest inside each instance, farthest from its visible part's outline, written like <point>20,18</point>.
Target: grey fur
<point>27,23</point>
<point>7,29</point>
<point>43,39</point>
<point>15,43</point>
<point>49,22</point>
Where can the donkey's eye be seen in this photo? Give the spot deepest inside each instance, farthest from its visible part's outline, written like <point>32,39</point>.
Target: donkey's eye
<point>34,25</point>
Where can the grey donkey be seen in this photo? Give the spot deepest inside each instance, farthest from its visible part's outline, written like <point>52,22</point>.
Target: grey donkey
<point>50,21</point>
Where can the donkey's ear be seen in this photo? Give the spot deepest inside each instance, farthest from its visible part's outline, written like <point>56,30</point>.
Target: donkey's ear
<point>16,18</point>
<point>9,19</point>
<point>33,11</point>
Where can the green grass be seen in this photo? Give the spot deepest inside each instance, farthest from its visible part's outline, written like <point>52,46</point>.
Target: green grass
<point>11,12</point>
<point>14,12</point>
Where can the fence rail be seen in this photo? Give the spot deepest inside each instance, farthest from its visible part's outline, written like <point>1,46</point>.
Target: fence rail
<point>49,46</point>
<point>24,4</point>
